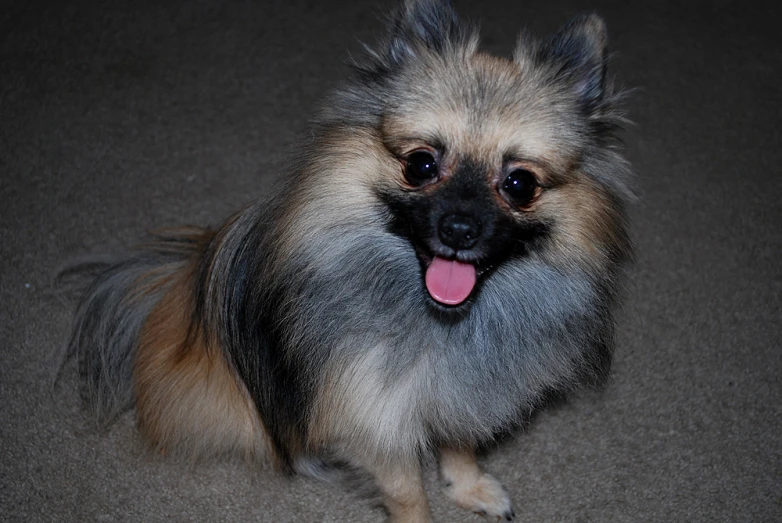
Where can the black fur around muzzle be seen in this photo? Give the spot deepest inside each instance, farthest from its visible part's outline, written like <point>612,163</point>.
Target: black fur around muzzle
<point>460,218</point>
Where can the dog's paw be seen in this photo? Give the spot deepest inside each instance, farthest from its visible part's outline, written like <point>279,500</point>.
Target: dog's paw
<point>484,495</point>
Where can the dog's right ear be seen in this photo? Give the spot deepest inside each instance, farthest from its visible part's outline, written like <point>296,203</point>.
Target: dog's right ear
<point>419,27</point>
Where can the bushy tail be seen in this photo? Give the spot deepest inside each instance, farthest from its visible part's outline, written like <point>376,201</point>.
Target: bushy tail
<point>118,296</point>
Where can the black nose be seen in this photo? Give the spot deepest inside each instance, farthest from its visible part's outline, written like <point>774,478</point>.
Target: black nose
<point>458,231</point>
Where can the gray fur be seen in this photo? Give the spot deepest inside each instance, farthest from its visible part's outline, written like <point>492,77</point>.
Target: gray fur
<point>525,333</point>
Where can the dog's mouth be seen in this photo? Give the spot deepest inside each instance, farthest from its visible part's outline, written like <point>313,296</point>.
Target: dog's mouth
<point>449,281</point>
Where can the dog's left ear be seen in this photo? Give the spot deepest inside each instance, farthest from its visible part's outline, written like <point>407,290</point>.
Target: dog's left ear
<point>579,52</point>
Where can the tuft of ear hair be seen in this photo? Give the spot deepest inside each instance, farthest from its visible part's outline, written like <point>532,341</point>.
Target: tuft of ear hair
<point>421,26</point>
<point>579,52</point>
<point>431,24</point>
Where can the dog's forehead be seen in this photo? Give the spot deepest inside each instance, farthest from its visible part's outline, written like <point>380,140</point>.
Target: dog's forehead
<point>489,108</point>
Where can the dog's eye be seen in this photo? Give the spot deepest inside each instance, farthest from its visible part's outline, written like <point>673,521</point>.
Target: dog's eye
<point>420,167</point>
<point>520,187</point>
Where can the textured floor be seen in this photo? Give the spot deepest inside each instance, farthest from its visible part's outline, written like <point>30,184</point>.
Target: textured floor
<point>118,117</point>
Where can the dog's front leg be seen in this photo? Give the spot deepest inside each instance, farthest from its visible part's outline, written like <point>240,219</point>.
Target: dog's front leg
<point>402,487</point>
<point>472,488</point>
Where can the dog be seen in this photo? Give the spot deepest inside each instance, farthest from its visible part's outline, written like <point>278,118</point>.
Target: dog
<point>447,252</point>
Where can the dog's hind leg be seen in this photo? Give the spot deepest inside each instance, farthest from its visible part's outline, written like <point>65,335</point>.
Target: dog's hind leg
<point>188,398</point>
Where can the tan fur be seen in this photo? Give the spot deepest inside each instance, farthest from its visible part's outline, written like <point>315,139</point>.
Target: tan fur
<point>470,487</point>
<point>403,490</point>
<point>517,121</point>
<point>188,398</point>
<point>352,163</point>
<point>587,223</point>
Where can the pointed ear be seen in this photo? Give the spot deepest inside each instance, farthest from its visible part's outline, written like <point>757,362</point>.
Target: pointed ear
<point>426,25</point>
<point>579,54</point>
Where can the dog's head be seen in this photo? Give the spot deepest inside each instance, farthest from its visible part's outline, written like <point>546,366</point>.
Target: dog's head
<point>479,160</point>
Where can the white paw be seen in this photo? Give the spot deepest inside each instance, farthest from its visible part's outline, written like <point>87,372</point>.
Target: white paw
<point>485,496</point>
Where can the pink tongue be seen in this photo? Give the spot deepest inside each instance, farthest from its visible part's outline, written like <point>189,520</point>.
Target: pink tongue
<point>450,282</point>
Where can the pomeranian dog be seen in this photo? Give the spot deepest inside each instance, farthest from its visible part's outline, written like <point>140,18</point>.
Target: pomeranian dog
<point>446,253</point>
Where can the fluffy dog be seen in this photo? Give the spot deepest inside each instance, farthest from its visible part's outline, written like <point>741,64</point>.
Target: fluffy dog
<point>447,251</point>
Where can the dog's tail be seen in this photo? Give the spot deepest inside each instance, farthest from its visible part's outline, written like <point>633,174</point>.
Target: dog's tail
<point>118,297</point>
<point>141,340</point>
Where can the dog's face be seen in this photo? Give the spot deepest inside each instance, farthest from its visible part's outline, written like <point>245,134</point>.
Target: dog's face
<point>478,160</point>
<point>484,160</point>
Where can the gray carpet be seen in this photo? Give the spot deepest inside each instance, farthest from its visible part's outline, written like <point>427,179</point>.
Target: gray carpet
<point>119,117</point>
